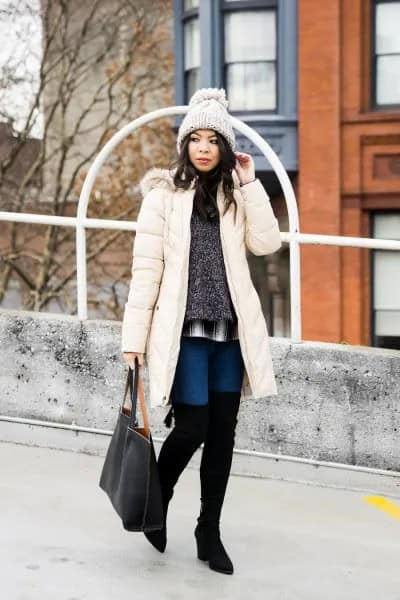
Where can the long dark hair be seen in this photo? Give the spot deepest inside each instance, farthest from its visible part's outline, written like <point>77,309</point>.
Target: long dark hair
<point>205,201</point>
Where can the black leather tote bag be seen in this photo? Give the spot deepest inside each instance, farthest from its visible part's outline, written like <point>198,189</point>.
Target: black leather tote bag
<point>130,472</point>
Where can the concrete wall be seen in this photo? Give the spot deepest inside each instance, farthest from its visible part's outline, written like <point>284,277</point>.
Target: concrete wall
<point>336,402</point>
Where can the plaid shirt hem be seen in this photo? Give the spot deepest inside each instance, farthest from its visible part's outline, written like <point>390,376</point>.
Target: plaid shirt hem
<point>221,330</point>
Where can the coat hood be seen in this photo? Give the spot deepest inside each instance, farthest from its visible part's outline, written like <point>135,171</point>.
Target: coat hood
<point>164,179</point>
<point>157,178</point>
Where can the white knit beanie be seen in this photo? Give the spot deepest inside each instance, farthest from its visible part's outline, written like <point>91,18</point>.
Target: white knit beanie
<point>207,110</point>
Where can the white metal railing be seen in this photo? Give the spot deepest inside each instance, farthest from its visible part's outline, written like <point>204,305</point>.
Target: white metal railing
<point>74,427</point>
<point>293,237</point>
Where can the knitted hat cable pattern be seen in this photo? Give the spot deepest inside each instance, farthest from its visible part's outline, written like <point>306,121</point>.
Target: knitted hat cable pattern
<point>208,109</point>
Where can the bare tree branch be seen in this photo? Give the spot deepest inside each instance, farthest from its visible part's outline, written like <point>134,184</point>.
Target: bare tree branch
<point>102,65</point>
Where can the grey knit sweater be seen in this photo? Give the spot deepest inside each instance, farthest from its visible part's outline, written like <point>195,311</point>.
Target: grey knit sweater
<point>208,292</point>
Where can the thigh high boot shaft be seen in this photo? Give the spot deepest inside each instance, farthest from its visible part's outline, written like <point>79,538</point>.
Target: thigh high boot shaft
<point>214,474</point>
<point>189,432</point>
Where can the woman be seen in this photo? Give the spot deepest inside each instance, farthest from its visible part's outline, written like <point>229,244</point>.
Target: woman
<point>193,309</point>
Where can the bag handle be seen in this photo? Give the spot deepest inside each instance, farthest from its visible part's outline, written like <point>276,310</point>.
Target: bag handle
<point>135,385</point>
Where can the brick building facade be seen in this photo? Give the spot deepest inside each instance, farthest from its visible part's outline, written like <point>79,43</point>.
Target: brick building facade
<point>349,169</point>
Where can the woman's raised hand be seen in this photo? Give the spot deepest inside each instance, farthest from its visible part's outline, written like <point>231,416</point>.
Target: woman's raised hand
<point>245,167</point>
<point>129,358</point>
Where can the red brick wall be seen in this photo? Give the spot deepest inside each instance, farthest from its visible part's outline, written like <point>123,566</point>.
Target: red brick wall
<point>344,156</point>
<point>319,165</point>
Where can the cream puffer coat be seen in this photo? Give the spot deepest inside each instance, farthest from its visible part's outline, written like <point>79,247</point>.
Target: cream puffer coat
<point>155,310</point>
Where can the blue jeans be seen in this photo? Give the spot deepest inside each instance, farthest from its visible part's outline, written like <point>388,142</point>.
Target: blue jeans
<point>206,365</point>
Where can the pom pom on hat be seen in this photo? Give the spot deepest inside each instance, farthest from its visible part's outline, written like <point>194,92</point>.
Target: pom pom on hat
<point>208,109</point>
<point>209,94</point>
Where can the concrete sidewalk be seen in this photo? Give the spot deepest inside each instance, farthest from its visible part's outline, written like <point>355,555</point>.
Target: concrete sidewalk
<point>60,539</point>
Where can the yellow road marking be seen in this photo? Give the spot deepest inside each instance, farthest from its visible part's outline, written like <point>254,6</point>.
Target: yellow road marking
<point>388,507</point>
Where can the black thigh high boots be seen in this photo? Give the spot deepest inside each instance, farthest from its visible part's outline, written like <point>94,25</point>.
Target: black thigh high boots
<point>189,432</point>
<point>215,468</point>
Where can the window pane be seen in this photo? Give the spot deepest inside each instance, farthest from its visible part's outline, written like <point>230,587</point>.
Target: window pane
<point>192,44</point>
<point>386,280</point>
<point>387,227</point>
<point>192,82</point>
<point>251,86</point>
<point>387,322</point>
<point>388,27</point>
<point>386,267</point>
<point>250,36</point>
<point>188,4</point>
<point>388,79</point>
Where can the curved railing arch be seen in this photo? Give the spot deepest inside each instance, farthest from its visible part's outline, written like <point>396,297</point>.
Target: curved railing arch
<point>81,222</point>
<point>258,141</point>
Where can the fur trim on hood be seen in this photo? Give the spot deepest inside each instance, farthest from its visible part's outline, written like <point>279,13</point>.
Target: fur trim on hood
<point>157,178</point>
<point>164,179</point>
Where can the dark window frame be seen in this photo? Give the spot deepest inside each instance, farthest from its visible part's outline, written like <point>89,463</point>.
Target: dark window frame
<point>373,96</point>
<point>372,258</point>
<point>278,126</point>
<point>212,69</point>
<point>187,16</point>
<point>251,6</point>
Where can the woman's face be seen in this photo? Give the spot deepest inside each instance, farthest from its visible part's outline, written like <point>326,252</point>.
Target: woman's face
<point>203,150</point>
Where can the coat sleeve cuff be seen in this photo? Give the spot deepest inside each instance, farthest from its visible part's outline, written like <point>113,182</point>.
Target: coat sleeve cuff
<point>251,187</point>
<point>133,337</point>
<point>244,185</point>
